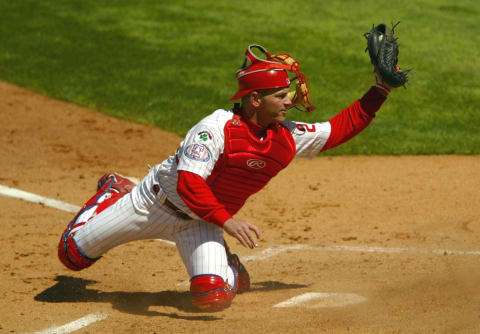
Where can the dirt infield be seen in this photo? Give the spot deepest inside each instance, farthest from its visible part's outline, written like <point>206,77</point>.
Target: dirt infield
<point>400,234</point>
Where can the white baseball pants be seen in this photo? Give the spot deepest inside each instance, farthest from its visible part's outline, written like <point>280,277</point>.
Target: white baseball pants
<point>200,243</point>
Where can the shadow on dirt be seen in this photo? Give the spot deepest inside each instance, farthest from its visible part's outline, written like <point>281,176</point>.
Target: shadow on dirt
<point>72,289</point>
<point>274,285</point>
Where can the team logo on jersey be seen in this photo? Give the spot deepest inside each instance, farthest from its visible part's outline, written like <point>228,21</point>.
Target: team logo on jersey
<point>256,163</point>
<point>204,136</point>
<point>197,152</point>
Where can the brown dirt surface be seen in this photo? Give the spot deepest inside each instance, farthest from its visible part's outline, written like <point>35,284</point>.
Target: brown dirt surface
<point>383,228</point>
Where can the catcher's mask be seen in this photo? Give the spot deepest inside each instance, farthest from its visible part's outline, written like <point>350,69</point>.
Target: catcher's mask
<point>257,73</point>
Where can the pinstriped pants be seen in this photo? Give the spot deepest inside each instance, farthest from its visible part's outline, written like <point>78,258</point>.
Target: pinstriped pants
<point>199,243</point>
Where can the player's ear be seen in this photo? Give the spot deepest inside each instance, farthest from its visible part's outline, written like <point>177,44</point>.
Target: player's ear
<point>255,99</point>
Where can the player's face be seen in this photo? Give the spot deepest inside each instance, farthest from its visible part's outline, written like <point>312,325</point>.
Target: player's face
<point>273,106</point>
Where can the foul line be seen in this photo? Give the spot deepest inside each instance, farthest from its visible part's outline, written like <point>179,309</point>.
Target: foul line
<point>30,197</point>
<point>74,325</point>
<point>274,251</point>
<point>401,250</point>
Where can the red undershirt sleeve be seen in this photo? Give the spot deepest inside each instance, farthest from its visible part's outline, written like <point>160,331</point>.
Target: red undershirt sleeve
<point>198,196</point>
<point>353,119</point>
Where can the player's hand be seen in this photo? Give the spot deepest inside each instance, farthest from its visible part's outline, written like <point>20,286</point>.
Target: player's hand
<point>380,83</point>
<point>242,232</point>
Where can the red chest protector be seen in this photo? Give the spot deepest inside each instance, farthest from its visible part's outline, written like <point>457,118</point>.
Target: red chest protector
<point>248,163</point>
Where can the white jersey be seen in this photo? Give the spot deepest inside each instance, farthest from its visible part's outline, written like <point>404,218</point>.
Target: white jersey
<point>142,214</point>
<point>204,143</point>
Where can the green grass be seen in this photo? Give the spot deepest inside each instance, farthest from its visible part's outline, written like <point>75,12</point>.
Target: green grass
<point>170,63</point>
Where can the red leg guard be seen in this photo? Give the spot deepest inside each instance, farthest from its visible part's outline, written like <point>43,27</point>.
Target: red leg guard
<point>210,293</point>
<point>70,255</point>
<point>111,187</point>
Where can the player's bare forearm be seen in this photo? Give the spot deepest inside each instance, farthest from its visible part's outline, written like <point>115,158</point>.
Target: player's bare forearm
<point>241,230</point>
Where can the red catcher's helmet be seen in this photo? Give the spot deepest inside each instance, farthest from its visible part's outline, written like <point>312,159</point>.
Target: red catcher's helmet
<point>257,73</point>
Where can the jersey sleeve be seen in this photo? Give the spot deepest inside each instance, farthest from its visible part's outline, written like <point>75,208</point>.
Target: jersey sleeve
<point>195,192</point>
<point>309,137</point>
<point>203,145</point>
<point>312,138</point>
<point>355,118</point>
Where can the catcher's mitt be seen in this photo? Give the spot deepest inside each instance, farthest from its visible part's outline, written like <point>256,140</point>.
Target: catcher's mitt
<point>382,47</point>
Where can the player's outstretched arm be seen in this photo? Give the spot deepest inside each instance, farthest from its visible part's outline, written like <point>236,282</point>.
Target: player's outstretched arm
<point>241,230</point>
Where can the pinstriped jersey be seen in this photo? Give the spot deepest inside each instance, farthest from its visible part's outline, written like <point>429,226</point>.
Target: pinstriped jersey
<point>203,145</point>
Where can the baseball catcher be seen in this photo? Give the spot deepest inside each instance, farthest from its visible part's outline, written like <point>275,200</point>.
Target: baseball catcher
<point>192,197</point>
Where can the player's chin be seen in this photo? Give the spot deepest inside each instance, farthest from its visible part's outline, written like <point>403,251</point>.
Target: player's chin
<point>281,117</point>
<point>277,119</point>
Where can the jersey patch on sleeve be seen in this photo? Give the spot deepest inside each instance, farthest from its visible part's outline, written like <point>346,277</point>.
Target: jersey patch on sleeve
<point>197,152</point>
<point>204,136</point>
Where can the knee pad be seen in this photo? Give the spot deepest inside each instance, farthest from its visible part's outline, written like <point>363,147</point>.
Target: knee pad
<point>70,255</point>
<point>68,252</point>
<point>210,293</point>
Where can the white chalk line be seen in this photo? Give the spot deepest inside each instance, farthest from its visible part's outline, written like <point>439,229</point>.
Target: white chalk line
<point>74,325</point>
<point>323,299</point>
<point>274,251</point>
<point>50,202</point>
<point>171,243</point>
<point>34,198</point>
